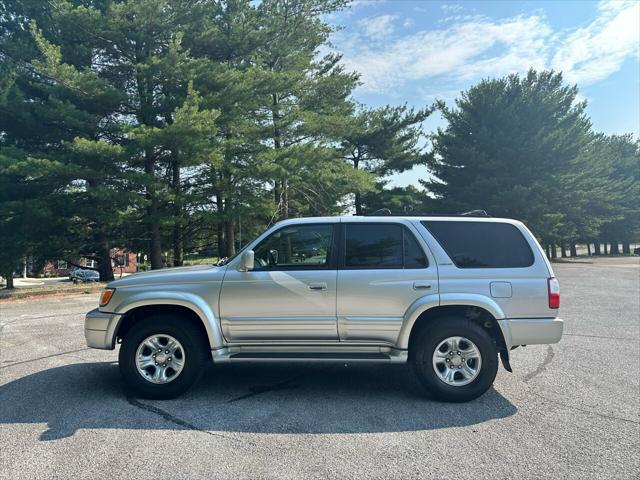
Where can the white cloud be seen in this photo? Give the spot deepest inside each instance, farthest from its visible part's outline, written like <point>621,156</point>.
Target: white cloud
<point>473,47</point>
<point>378,27</point>
<point>357,4</point>
<point>360,3</point>
<point>462,50</point>
<point>451,8</point>
<point>614,6</point>
<point>594,52</point>
<point>430,94</point>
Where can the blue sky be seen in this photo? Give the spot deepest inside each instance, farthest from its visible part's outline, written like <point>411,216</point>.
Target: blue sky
<point>414,51</point>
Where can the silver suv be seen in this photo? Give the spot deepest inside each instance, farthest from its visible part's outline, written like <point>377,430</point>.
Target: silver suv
<point>448,294</point>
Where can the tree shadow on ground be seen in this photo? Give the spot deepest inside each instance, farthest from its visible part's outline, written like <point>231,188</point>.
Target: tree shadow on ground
<point>259,398</point>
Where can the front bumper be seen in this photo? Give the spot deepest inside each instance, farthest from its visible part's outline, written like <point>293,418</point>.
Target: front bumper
<point>531,331</point>
<point>100,328</point>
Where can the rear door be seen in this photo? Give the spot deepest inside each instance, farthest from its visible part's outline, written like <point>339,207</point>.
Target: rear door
<point>383,269</point>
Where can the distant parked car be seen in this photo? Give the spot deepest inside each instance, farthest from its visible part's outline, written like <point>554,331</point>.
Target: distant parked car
<point>86,276</point>
<point>74,272</point>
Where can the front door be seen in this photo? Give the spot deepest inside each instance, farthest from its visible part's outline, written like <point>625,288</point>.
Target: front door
<point>290,294</point>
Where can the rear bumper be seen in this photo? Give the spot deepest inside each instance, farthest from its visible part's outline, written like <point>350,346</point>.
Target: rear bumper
<point>99,329</point>
<point>531,331</point>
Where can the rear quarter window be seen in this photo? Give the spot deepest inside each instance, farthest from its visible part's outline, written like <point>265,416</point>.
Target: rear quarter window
<point>482,244</point>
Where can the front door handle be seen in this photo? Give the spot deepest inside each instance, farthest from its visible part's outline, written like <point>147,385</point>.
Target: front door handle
<point>421,286</point>
<point>318,286</point>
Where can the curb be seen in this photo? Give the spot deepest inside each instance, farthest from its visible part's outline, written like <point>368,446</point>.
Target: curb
<point>18,295</point>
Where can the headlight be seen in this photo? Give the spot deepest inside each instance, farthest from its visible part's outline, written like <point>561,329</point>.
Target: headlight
<point>107,293</point>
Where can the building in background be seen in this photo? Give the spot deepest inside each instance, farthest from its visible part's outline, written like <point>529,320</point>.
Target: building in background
<point>122,261</point>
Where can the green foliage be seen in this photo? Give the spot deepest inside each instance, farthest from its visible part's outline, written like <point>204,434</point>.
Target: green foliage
<point>173,126</point>
<point>507,149</point>
<point>297,94</point>
<point>382,141</point>
<point>618,156</point>
<point>524,148</point>
<point>398,200</point>
<point>170,122</point>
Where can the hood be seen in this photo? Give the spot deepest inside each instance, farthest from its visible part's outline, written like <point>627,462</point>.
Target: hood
<point>197,273</point>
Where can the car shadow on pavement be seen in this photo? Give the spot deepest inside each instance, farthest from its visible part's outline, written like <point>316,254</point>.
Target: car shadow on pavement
<point>258,398</point>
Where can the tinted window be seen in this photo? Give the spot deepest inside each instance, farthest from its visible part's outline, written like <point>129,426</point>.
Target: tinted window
<point>299,246</point>
<point>382,246</point>
<point>482,244</point>
<point>373,246</point>
<point>414,256</point>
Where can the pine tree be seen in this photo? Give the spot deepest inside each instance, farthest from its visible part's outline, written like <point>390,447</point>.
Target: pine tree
<point>53,111</point>
<point>507,148</point>
<point>300,94</point>
<point>383,141</point>
<point>225,43</point>
<point>620,157</point>
<point>408,200</point>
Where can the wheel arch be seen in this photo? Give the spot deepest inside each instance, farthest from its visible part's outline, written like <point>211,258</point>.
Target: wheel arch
<point>195,309</point>
<point>478,308</point>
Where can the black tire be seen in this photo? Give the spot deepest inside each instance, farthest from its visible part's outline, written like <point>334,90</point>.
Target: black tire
<point>428,339</point>
<point>195,351</point>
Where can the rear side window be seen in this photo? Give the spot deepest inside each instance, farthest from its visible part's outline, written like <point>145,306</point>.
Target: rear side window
<point>482,244</point>
<point>382,246</point>
<point>414,256</point>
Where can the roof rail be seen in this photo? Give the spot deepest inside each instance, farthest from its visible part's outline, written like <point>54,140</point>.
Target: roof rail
<point>386,212</point>
<point>379,213</point>
<point>475,213</point>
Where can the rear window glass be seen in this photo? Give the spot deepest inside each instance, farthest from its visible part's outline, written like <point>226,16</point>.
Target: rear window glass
<point>482,244</point>
<point>370,245</point>
<point>374,246</point>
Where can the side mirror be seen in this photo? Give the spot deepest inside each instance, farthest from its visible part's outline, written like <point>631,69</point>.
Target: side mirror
<point>246,261</point>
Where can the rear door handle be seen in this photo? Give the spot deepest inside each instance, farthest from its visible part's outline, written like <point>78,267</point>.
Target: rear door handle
<point>318,286</point>
<point>421,286</point>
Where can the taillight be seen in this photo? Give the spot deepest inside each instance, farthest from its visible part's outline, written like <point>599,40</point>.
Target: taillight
<point>554,292</point>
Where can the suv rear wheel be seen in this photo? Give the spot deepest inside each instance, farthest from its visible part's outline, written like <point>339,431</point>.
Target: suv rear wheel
<point>162,356</point>
<point>455,359</point>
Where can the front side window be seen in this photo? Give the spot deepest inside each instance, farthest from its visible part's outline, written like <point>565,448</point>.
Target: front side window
<point>482,244</point>
<point>295,247</point>
<point>382,246</point>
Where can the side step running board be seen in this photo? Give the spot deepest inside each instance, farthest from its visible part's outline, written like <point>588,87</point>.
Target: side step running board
<point>248,355</point>
<point>312,356</point>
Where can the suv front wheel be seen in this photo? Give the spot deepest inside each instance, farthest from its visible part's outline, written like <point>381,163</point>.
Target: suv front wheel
<point>455,359</point>
<point>162,356</point>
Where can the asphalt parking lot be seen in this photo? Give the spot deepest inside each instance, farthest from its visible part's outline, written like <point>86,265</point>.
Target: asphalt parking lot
<point>570,410</point>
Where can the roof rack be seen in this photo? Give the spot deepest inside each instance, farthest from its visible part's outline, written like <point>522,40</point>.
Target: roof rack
<point>475,213</point>
<point>379,213</point>
<point>386,212</point>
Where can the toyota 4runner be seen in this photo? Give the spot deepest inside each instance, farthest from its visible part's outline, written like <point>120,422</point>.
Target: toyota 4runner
<point>447,294</point>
